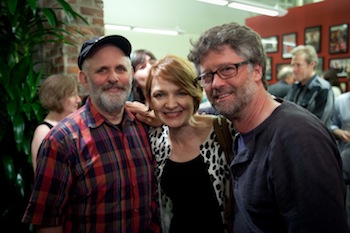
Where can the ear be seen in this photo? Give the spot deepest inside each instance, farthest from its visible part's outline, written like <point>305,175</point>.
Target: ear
<point>83,80</point>
<point>257,71</point>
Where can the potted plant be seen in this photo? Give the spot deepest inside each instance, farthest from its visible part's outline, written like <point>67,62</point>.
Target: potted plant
<point>25,28</point>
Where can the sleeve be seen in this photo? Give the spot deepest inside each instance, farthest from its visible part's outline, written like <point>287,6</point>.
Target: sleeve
<point>52,184</point>
<point>336,123</point>
<point>306,178</point>
<point>324,103</point>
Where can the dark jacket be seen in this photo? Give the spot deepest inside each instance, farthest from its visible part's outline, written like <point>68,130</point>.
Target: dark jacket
<point>279,89</point>
<point>316,96</point>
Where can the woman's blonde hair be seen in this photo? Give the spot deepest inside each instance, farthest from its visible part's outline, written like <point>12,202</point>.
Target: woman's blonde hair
<point>55,89</point>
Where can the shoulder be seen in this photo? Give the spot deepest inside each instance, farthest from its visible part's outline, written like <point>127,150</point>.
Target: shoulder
<point>40,132</point>
<point>343,97</point>
<point>320,82</point>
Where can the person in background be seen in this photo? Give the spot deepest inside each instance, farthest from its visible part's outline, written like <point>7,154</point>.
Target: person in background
<point>286,79</point>
<point>286,162</point>
<point>332,77</point>
<point>95,168</point>
<point>193,173</point>
<point>141,61</point>
<point>341,130</point>
<point>310,91</point>
<point>59,95</point>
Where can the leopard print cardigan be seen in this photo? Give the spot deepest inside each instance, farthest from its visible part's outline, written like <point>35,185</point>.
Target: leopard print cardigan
<point>214,157</point>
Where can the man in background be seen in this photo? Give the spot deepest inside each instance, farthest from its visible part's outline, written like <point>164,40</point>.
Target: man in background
<point>310,90</point>
<point>286,79</point>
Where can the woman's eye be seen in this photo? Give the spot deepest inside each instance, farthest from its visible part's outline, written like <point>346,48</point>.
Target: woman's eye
<point>183,93</point>
<point>158,95</point>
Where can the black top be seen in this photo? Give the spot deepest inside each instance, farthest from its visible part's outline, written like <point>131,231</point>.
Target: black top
<point>47,124</point>
<point>195,206</point>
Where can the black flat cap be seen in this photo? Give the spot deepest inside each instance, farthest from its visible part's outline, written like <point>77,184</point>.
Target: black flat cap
<point>88,46</point>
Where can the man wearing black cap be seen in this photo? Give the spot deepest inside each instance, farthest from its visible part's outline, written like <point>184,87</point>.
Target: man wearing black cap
<point>95,168</point>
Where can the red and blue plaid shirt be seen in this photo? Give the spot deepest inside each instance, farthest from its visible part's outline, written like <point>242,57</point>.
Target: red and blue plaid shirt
<point>93,176</point>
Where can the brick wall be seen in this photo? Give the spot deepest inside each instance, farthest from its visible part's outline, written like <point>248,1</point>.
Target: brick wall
<point>62,58</point>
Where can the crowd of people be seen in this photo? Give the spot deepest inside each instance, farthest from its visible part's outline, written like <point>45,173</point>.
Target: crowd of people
<point>140,156</point>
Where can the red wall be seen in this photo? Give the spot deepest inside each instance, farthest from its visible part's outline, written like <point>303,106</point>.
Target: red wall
<point>325,14</point>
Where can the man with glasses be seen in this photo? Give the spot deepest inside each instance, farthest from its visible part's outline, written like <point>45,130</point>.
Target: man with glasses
<point>286,168</point>
<point>310,91</point>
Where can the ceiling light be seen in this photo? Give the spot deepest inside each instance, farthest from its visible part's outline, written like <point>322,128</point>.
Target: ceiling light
<point>156,31</point>
<point>118,27</point>
<point>258,8</point>
<point>146,30</point>
<point>216,2</point>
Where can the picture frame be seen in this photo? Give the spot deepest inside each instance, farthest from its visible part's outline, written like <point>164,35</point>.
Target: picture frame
<point>341,65</point>
<point>338,38</point>
<point>279,66</point>
<point>270,44</point>
<point>289,42</point>
<point>320,66</point>
<point>268,74</point>
<point>312,36</point>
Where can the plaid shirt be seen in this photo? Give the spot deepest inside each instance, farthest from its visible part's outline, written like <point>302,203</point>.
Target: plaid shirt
<point>94,177</point>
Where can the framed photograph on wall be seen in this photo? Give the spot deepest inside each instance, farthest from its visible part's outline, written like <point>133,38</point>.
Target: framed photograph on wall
<point>289,42</point>
<point>268,68</point>
<point>312,37</point>
<point>280,66</point>
<point>338,38</point>
<point>270,44</point>
<point>341,65</point>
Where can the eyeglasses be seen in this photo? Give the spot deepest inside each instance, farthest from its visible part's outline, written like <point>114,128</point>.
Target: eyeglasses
<point>224,72</point>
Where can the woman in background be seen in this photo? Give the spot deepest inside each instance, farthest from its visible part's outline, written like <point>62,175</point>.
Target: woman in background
<point>141,61</point>
<point>59,95</point>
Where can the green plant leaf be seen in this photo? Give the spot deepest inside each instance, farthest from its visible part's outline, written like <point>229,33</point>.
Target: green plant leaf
<point>12,5</point>
<point>11,106</point>
<point>68,9</point>
<point>51,16</point>
<point>27,108</point>
<point>26,145</point>
<point>18,130</point>
<point>20,183</point>
<point>9,168</point>
<point>38,111</point>
<point>32,4</point>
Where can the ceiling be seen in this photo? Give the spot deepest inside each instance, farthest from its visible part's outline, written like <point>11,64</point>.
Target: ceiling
<point>188,16</point>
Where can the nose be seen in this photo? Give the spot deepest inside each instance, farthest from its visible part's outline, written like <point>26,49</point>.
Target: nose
<point>171,102</point>
<point>114,76</point>
<point>78,99</point>
<point>217,81</point>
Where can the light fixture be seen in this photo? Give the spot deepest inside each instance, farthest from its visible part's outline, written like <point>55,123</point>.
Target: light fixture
<point>141,29</point>
<point>215,2</point>
<point>258,8</point>
<point>250,6</point>
<point>118,27</point>
<point>156,31</point>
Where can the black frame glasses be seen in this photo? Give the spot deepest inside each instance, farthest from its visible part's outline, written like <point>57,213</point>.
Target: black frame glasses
<point>224,72</point>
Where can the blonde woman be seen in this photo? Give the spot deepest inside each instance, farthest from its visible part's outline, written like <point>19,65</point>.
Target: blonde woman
<point>59,95</point>
<point>192,170</point>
